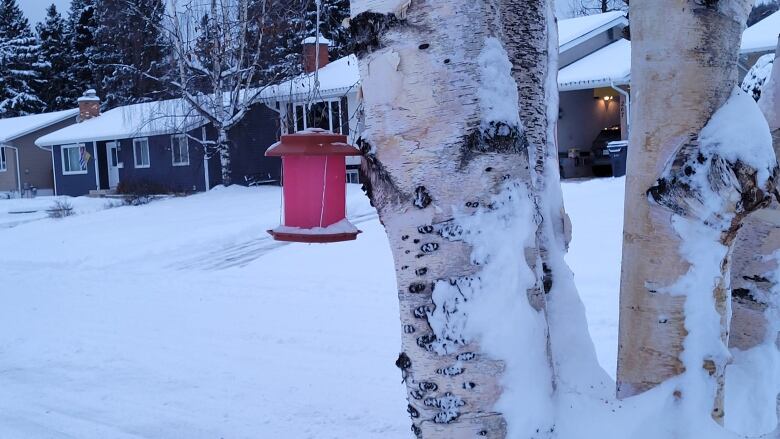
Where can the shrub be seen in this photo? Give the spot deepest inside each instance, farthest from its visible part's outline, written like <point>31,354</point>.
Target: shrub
<point>60,209</point>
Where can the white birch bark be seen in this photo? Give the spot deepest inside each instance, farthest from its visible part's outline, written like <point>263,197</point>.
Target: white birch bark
<point>452,172</point>
<point>684,70</point>
<point>755,283</point>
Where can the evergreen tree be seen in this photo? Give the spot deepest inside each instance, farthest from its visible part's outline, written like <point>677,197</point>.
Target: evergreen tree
<point>54,58</point>
<point>80,30</point>
<point>289,22</point>
<point>126,67</point>
<point>18,63</point>
<point>332,16</point>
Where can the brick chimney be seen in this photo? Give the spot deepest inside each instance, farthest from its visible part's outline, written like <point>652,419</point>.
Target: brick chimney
<point>310,53</point>
<point>89,105</point>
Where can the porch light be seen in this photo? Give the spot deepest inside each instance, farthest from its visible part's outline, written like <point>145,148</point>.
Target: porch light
<point>314,187</point>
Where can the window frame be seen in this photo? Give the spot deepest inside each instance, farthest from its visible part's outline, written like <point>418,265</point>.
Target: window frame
<point>135,153</point>
<point>175,144</point>
<point>3,163</point>
<point>76,146</point>
<point>296,120</point>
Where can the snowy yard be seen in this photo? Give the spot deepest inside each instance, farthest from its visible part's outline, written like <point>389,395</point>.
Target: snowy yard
<point>182,319</point>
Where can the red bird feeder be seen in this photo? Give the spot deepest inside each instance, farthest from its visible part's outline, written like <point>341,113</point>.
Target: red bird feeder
<point>314,187</point>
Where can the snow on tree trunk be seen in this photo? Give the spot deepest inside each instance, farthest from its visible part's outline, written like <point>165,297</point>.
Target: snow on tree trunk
<point>693,176</point>
<point>754,378</point>
<point>451,170</point>
<point>223,146</point>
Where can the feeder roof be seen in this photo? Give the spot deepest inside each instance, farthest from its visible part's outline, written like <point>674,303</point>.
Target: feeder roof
<point>313,142</point>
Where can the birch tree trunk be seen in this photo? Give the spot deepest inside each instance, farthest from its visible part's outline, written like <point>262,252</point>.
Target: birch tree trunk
<point>755,283</point>
<point>452,171</point>
<point>688,190</point>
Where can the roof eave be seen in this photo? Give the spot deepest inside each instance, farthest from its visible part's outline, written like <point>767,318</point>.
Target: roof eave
<point>120,136</point>
<point>588,35</point>
<point>594,83</point>
<point>6,140</point>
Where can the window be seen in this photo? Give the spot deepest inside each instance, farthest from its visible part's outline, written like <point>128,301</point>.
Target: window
<point>180,149</point>
<point>327,115</point>
<point>75,159</point>
<point>3,167</point>
<point>353,176</point>
<point>141,152</point>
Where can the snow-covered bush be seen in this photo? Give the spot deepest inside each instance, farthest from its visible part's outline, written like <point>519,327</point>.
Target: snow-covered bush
<point>60,209</point>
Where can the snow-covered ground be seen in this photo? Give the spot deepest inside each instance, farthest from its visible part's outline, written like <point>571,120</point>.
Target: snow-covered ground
<point>182,319</point>
<point>16,211</point>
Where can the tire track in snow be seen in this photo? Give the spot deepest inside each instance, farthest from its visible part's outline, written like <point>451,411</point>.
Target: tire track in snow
<point>241,254</point>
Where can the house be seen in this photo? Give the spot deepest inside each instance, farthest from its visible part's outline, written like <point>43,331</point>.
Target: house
<point>23,166</point>
<point>155,146</point>
<point>327,99</point>
<point>159,146</point>
<point>593,80</point>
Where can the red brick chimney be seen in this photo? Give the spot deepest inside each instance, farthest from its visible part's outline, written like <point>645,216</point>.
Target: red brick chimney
<point>89,105</point>
<point>310,53</point>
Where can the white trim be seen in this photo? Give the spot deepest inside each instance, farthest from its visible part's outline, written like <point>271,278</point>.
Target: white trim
<point>53,169</point>
<point>3,160</point>
<point>174,144</point>
<point>62,158</point>
<point>97,169</point>
<point>148,154</point>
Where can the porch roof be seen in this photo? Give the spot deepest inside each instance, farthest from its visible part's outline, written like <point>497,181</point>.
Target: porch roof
<point>608,65</point>
<point>762,36</point>
<point>15,127</point>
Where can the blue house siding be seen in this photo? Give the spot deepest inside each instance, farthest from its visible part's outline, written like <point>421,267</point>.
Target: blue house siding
<point>256,132</point>
<point>75,184</point>
<point>161,171</point>
<point>249,140</point>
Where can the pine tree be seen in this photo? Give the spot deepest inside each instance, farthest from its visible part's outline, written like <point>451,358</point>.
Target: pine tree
<point>80,30</point>
<point>332,16</point>
<point>290,23</point>
<point>54,59</point>
<point>18,63</point>
<point>125,67</point>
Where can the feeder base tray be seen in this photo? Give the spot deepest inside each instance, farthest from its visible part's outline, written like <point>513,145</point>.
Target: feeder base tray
<point>313,238</point>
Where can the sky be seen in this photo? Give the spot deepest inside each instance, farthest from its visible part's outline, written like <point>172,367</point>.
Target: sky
<point>36,9</point>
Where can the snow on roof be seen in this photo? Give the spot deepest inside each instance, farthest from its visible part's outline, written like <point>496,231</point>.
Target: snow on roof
<point>139,120</point>
<point>762,36</point>
<point>15,127</point>
<point>313,40</point>
<point>176,115</point>
<point>610,64</point>
<point>336,79</point>
<point>572,29</point>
